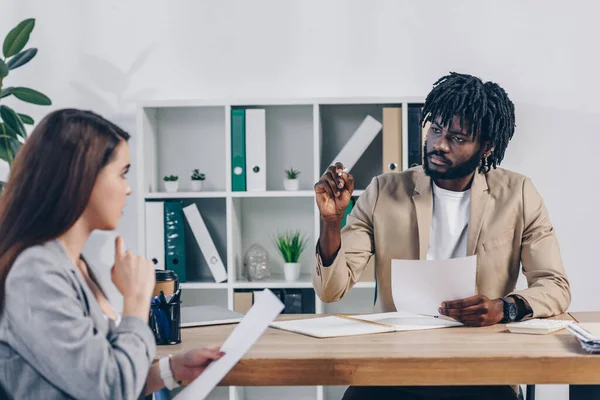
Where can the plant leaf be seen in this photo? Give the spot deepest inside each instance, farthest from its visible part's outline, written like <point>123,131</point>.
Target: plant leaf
<point>6,130</point>
<point>7,91</point>
<point>26,119</point>
<point>15,147</point>
<point>8,148</point>
<point>18,37</point>
<point>31,96</point>
<point>12,121</point>
<point>21,59</point>
<point>3,69</point>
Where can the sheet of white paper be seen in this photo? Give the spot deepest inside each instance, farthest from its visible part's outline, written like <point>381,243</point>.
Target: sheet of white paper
<point>420,286</point>
<point>265,309</point>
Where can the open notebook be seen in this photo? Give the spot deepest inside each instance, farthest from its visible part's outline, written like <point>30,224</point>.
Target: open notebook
<point>352,325</point>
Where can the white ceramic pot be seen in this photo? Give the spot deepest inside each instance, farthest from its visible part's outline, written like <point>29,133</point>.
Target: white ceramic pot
<point>291,271</point>
<point>197,186</point>
<point>291,184</point>
<point>171,186</point>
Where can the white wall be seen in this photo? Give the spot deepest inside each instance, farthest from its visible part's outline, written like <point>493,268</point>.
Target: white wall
<point>106,54</point>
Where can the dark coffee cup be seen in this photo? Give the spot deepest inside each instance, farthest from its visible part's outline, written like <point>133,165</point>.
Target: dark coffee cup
<point>167,281</point>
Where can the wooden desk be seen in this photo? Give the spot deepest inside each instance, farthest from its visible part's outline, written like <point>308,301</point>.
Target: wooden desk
<point>455,356</point>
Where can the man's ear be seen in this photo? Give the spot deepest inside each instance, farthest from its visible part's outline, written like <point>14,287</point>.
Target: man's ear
<point>488,150</point>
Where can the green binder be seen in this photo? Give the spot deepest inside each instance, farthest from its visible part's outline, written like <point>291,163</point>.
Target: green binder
<point>175,239</point>
<point>238,150</point>
<point>347,211</point>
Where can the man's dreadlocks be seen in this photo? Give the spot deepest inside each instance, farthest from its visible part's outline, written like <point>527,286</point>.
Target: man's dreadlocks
<point>485,106</point>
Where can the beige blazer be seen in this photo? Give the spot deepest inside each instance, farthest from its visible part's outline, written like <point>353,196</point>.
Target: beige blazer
<point>508,226</point>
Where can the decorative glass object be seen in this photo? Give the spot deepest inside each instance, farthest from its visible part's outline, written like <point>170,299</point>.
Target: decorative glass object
<point>256,263</point>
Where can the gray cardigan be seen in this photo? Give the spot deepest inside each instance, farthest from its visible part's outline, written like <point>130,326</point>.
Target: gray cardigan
<point>55,342</point>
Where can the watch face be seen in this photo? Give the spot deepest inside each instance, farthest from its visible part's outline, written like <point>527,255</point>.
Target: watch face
<point>512,311</point>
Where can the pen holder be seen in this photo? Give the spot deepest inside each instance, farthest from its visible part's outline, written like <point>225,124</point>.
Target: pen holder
<point>165,322</point>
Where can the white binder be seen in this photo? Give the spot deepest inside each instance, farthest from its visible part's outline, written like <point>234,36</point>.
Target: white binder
<point>256,153</point>
<point>358,143</point>
<point>155,233</point>
<point>207,246</point>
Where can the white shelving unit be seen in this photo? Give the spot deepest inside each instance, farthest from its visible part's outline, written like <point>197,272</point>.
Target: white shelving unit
<point>177,136</point>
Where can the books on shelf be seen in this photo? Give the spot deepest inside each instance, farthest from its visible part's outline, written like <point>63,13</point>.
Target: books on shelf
<point>175,259</point>
<point>165,238</point>
<point>256,150</point>
<point>392,139</point>
<point>416,135</point>
<point>352,325</point>
<point>248,150</point>
<point>155,233</point>
<point>238,150</point>
<point>358,143</point>
<point>205,242</point>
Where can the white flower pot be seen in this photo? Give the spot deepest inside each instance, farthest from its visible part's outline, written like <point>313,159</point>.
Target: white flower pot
<point>197,186</point>
<point>171,186</point>
<point>291,184</point>
<point>291,271</point>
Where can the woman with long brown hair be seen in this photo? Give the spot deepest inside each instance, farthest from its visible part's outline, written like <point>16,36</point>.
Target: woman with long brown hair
<point>59,336</point>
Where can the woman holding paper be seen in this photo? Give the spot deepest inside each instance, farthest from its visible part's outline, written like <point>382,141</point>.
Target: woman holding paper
<point>59,336</point>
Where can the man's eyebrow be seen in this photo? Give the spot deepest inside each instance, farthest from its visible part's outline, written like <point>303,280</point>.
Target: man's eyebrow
<point>126,168</point>
<point>460,133</point>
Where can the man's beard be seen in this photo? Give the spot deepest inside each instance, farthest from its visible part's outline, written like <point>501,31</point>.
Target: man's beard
<point>453,172</point>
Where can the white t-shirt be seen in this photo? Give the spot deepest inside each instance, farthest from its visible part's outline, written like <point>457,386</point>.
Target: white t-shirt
<point>449,224</point>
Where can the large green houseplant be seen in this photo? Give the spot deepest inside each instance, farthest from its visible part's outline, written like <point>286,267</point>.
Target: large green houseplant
<point>12,129</point>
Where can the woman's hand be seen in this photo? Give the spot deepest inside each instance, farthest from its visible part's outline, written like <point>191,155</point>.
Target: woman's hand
<point>187,366</point>
<point>134,277</point>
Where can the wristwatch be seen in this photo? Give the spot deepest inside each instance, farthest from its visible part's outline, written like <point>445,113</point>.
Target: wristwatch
<point>164,365</point>
<point>510,311</point>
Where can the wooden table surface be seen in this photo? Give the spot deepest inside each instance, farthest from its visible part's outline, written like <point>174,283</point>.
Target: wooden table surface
<point>454,356</point>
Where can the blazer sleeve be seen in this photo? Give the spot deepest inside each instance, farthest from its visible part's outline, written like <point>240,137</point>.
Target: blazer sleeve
<point>548,291</point>
<point>49,330</point>
<point>332,282</point>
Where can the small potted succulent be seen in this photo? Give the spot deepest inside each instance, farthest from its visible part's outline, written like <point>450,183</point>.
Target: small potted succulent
<point>291,182</point>
<point>290,246</point>
<point>171,183</point>
<point>197,180</point>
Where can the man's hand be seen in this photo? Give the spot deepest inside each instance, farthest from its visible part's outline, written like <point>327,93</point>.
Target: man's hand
<point>333,193</point>
<point>474,311</point>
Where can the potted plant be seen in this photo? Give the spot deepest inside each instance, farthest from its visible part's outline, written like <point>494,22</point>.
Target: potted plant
<point>197,180</point>
<point>291,183</point>
<point>171,183</point>
<point>15,55</point>
<point>290,246</point>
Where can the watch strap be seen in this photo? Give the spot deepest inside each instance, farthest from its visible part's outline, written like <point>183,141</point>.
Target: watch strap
<point>166,373</point>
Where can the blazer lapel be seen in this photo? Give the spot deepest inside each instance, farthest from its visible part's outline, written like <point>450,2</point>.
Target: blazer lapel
<point>423,201</point>
<point>480,197</point>
<point>88,296</point>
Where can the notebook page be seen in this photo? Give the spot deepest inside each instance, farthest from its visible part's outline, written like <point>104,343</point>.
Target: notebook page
<point>332,326</point>
<point>403,321</point>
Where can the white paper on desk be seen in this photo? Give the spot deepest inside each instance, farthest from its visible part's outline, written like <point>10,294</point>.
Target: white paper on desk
<point>420,286</point>
<point>265,309</point>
